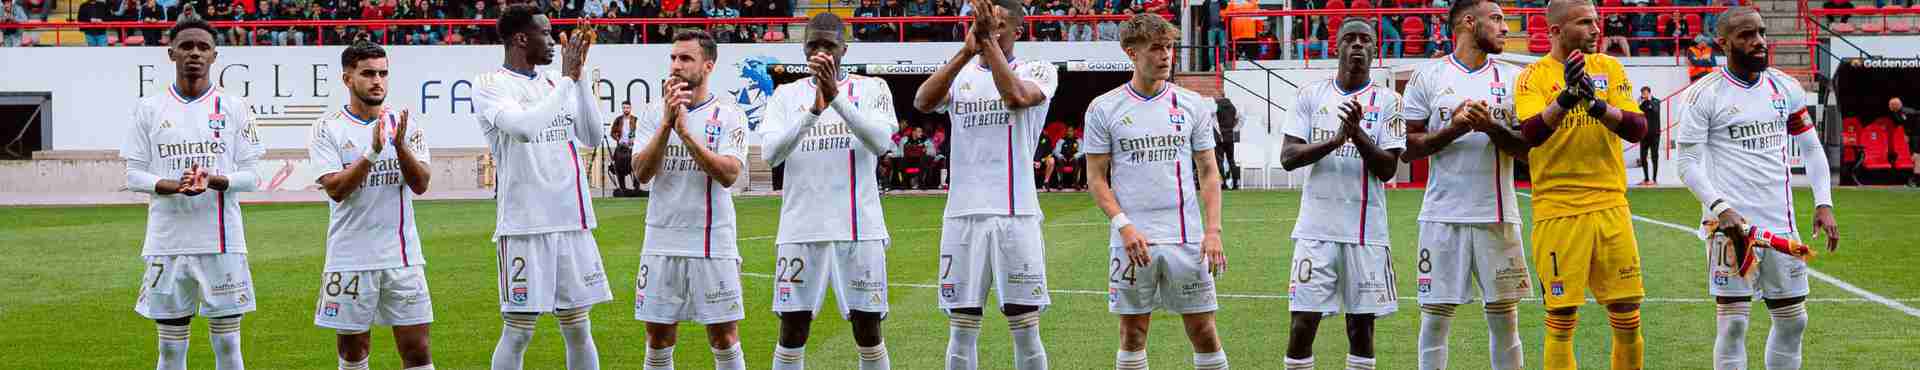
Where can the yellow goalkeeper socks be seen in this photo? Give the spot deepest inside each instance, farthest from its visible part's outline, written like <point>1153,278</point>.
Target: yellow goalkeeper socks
<point>1559,352</point>
<point>1627,346</point>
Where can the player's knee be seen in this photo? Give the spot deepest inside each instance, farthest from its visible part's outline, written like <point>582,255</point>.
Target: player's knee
<point>866,327</point>
<point>1623,307</point>
<point>1018,309</point>
<point>1784,302</point>
<point>662,335</point>
<point>183,321</point>
<point>1307,321</point>
<point>796,317</point>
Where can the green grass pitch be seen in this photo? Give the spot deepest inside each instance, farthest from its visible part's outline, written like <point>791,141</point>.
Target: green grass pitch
<point>72,274</point>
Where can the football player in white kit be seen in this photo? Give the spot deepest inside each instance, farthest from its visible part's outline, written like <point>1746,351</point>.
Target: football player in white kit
<point>1350,131</point>
<point>829,131</point>
<point>375,273</point>
<point>1736,127</point>
<point>991,234</point>
<point>1459,114</point>
<point>1149,145</point>
<point>536,123</point>
<point>191,149</point>
<point>694,151</point>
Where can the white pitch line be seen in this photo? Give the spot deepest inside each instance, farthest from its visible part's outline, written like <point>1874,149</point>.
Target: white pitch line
<point>1863,293</point>
<point>1410,299</point>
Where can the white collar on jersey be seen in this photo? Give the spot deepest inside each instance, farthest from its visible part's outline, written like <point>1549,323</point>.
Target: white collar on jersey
<point>529,74</point>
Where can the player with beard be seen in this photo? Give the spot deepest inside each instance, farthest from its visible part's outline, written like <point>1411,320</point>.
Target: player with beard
<point>196,245</point>
<point>1459,113</point>
<point>1579,106</point>
<point>1734,131</point>
<point>375,273</point>
<point>1350,131</point>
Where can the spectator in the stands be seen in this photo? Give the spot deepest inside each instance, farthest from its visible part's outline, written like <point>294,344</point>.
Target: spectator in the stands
<point>1646,33</point>
<point>11,12</point>
<point>1110,30</point>
<point>373,10</point>
<point>870,31</point>
<point>918,31</point>
<point>1046,31</point>
<point>477,34</point>
<point>1080,30</point>
<point>1909,119</point>
<point>153,12</point>
<point>948,31</point>
<point>724,9</point>
<point>38,10</point>
<point>1391,45</point>
<point>1700,60</point>
<point>1838,4</point>
<point>1617,29</point>
<point>94,11</point>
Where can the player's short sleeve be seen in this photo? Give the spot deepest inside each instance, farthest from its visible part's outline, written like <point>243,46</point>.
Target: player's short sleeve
<point>1414,106</point>
<point>1535,84</point>
<point>1621,93</point>
<point>1204,125</point>
<point>1693,118</point>
<point>1042,74</point>
<point>880,99</point>
<point>1099,139</point>
<point>251,148</point>
<point>1302,118</point>
<point>323,152</point>
<point>733,140</point>
<point>1392,134</point>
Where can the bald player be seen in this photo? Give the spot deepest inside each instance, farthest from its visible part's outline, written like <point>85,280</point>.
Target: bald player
<point>990,236</point>
<point>1735,126</point>
<point>1459,113</point>
<point>1350,131</point>
<point>1578,108</point>
<point>829,131</point>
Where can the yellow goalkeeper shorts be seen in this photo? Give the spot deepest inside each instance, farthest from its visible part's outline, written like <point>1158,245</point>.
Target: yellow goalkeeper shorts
<point>1593,250</point>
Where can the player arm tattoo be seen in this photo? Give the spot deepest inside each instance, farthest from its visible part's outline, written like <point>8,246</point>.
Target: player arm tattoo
<point>1422,143</point>
<point>1017,93</point>
<point>1298,153</point>
<point>933,93</point>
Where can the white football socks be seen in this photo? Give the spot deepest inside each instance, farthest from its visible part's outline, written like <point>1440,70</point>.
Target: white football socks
<point>963,337</point>
<point>1299,363</point>
<point>1028,352</point>
<point>1210,360</point>
<point>515,333</point>
<point>1359,363</point>
<point>173,347</point>
<point>1123,360</point>
<point>875,357</point>
<point>576,328</point>
<point>1730,340</point>
<point>789,358</point>
<point>1503,335</point>
<point>1436,320</point>
<point>1783,341</point>
<point>226,343</point>
<point>729,358</point>
<point>659,358</point>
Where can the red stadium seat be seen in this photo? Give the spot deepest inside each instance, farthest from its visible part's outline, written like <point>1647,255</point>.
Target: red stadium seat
<point>1539,43</point>
<point>1874,144</point>
<point>1333,21</point>
<point>1899,26</point>
<point>1415,31</point>
<point>1693,24</point>
<point>1537,24</point>
<point>1663,3</point>
<point>1843,28</point>
<point>1897,144</point>
<point>1612,3</point>
<point>1872,27</point>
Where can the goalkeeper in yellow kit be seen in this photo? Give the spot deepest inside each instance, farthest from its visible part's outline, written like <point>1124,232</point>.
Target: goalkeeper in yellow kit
<point>1578,107</point>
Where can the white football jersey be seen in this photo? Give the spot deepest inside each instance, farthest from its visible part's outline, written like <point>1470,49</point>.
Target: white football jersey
<point>830,193</point>
<point>1342,202</point>
<point>536,127</point>
<point>992,144</point>
<point>1152,140</point>
<point>170,135</point>
<point>373,228</point>
<point>688,213</point>
<point>1745,133</point>
<point>1469,180</point>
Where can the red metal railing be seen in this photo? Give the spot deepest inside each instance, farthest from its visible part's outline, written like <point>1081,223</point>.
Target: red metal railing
<point>1304,15</point>
<point>900,23</point>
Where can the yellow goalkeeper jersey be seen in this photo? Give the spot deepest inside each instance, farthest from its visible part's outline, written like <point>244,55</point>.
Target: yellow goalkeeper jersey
<point>1579,169</point>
